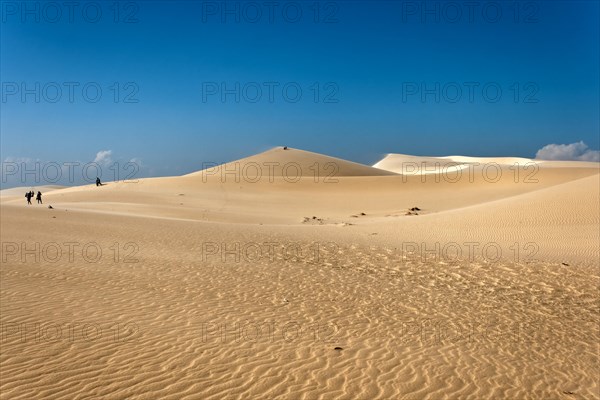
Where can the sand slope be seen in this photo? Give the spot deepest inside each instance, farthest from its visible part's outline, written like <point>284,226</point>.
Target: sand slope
<point>210,288</point>
<point>291,163</point>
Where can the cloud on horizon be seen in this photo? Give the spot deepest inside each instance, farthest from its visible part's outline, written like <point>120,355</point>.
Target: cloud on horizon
<point>578,151</point>
<point>103,157</point>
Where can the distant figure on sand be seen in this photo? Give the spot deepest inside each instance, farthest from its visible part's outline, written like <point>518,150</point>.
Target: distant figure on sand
<point>39,197</point>
<point>98,183</point>
<point>28,196</point>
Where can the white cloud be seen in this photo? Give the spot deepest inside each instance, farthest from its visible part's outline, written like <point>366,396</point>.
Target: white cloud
<point>137,161</point>
<point>103,157</point>
<point>570,152</point>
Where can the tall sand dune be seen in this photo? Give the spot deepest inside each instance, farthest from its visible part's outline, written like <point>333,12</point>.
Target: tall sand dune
<point>292,163</point>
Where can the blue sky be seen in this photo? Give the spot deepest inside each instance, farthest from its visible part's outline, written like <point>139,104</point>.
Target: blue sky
<point>180,81</point>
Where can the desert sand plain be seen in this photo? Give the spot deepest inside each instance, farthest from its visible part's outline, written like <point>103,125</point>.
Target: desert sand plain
<point>295,275</point>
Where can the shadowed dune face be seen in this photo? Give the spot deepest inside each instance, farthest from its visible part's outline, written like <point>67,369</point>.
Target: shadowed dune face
<point>210,285</point>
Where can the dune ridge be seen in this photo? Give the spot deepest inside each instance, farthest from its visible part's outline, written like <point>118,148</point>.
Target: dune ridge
<point>293,163</point>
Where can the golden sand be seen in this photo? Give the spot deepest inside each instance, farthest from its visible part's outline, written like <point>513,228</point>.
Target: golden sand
<point>295,275</point>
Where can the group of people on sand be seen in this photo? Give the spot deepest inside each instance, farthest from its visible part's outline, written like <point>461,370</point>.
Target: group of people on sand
<point>29,195</point>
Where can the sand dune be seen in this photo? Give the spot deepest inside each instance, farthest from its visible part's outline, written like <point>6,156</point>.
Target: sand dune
<point>292,163</point>
<point>226,286</point>
<point>416,165</point>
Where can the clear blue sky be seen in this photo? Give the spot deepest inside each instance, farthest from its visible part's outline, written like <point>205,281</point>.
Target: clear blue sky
<point>369,62</point>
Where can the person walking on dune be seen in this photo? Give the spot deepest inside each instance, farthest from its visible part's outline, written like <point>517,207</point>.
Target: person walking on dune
<point>28,197</point>
<point>98,183</point>
<point>39,197</point>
